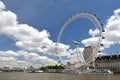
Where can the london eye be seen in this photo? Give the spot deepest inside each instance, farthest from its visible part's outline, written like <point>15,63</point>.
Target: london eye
<point>96,21</point>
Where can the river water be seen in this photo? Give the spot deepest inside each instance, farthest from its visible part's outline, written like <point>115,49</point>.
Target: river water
<point>55,76</point>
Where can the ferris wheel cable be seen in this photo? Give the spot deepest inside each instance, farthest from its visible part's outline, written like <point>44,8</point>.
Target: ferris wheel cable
<point>77,55</point>
<point>87,15</point>
<point>77,49</point>
<point>81,55</point>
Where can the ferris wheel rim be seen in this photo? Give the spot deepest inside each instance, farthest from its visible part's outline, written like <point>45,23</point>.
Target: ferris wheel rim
<point>82,14</point>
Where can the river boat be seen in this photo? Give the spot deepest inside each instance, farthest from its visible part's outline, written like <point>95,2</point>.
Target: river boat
<point>36,71</point>
<point>98,71</point>
<point>71,71</point>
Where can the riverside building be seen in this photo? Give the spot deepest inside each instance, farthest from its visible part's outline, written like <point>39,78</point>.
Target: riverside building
<point>111,62</point>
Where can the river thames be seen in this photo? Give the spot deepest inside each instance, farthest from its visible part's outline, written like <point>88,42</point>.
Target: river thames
<point>56,76</point>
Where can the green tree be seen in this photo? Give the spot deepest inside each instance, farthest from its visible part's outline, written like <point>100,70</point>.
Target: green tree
<point>42,68</point>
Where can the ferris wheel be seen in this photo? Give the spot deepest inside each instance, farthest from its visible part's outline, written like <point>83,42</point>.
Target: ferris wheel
<point>97,24</point>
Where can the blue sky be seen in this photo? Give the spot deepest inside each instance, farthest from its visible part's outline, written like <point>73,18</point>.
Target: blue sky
<point>47,17</point>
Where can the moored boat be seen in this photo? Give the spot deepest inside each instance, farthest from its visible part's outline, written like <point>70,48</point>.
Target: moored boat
<point>96,71</point>
<point>71,71</point>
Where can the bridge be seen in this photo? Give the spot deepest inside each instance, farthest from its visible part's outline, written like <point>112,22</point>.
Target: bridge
<point>11,70</point>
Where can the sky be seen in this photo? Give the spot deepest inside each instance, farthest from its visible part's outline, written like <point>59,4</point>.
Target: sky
<point>29,29</point>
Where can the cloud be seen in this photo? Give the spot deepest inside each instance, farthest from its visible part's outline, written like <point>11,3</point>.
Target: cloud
<point>94,33</point>
<point>26,37</point>
<point>111,34</point>
<point>2,6</point>
<point>9,53</point>
<point>29,58</point>
<point>91,41</point>
<point>112,29</point>
<point>7,59</point>
<point>34,57</point>
<point>75,55</point>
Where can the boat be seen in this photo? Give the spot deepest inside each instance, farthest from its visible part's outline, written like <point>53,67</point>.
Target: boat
<point>98,71</point>
<point>38,71</point>
<point>35,71</point>
<point>71,71</point>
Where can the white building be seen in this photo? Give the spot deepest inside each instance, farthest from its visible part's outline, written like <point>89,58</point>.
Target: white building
<point>90,53</point>
<point>111,62</point>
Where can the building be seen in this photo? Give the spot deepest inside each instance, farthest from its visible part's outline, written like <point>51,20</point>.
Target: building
<point>89,54</point>
<point>111,62</point>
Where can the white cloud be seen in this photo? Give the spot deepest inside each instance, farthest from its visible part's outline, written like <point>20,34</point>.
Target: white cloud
<point>9,53</point>
<point>2,6</point>
<point>36,57</point>
<point>112,29</point>
<point>91,41</point>
<point>29,58</point>
<point>76,55</point>
<point>63,49</point>
<point>94,33</point>
<point>26,37</point>
<point>111,34</point>
<point>7,59</point>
